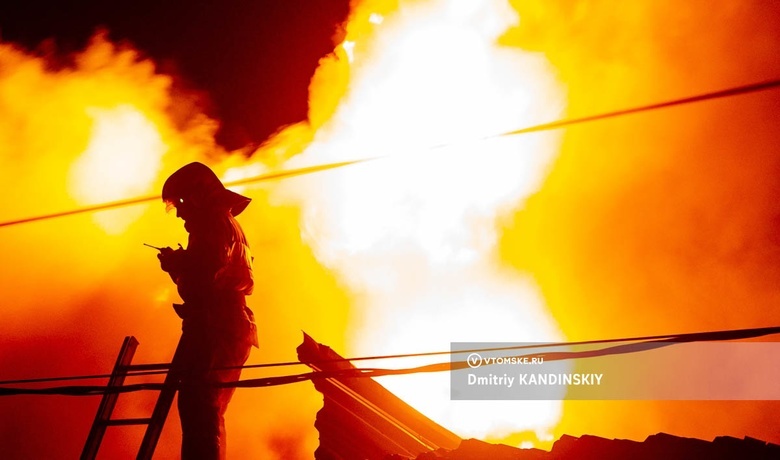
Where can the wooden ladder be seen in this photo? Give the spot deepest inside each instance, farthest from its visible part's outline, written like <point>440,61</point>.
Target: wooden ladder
<point>154,423</point>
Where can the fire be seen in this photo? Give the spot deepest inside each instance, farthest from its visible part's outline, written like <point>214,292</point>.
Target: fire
<point>93,131</point>
<point>122,160</point>
<point>413,235</point>
<point>400,255</point>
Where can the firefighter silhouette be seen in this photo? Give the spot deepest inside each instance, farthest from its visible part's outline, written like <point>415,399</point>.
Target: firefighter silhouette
<point>212,275</point>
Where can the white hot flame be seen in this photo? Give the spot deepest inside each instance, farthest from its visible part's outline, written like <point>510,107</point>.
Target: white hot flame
<point>414,235</point>
<point>121,160</point>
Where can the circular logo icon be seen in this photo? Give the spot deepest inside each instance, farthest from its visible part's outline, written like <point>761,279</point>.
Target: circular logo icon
<point>474,360</point>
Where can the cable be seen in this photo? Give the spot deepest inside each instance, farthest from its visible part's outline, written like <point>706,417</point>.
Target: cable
<point>730,334</point>
<point>146,199</point>
<point>735,91</point>
<point>381,372</point>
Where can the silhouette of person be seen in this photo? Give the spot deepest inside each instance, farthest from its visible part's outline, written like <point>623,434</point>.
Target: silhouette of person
<point>212,275</point>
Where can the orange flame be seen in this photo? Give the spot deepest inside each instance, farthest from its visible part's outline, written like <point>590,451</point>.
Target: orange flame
<point>401,255</point>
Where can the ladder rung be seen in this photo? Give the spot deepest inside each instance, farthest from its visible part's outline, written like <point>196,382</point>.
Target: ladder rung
<point>128,421</point>
<point>154,423</point>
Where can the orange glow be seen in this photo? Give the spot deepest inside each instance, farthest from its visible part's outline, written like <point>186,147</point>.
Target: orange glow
<point>664,222</point>
<point>110,128</point>
<point>656,223</point>
<point>413,236</point>
<point>122,160</point>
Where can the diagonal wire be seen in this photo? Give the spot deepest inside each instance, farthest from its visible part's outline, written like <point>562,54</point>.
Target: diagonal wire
<point>380,372</point>
<point>639,344</point>
<point>146,199</point>
<point>734,91</point>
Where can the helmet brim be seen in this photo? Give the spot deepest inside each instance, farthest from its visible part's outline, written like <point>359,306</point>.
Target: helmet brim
<point>197,183</point>
<point>235,202</point>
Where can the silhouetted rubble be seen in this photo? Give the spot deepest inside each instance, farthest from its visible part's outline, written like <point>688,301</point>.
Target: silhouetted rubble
<point>658,446</point>
<point>361,419</point>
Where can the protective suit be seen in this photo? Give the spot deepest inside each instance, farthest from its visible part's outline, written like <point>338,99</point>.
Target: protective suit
<point>213,275</point>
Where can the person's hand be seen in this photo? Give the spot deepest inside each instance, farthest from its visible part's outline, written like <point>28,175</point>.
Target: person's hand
<point>170,259</point>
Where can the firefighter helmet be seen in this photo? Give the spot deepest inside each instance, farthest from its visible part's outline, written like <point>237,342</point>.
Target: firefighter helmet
<point>196,182</point>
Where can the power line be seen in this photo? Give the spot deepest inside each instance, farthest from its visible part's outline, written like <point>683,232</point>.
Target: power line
<point>149,198</point>
<point>436,367</point>
<point>734,91</point>
<point>159,369</point>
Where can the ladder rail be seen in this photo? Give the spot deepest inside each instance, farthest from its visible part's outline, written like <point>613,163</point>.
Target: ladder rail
<point>161,408</point>
<point>108,401</point>
<point>154,424</point>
